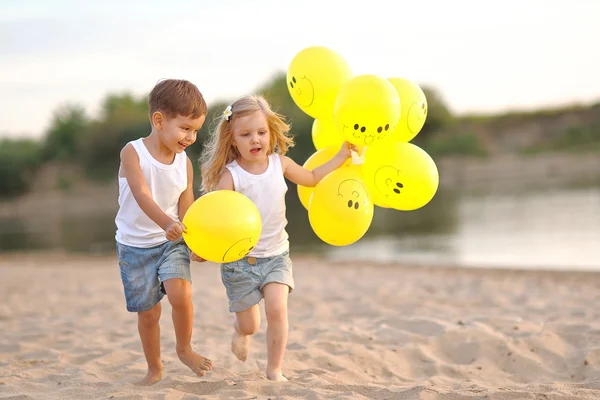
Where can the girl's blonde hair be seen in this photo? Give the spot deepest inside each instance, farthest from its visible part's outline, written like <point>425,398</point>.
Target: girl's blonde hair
<point>219,150</point>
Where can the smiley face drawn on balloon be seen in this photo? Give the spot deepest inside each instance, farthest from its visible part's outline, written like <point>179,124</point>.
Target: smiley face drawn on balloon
<point>368,135</point>
<point>416,116</point>
<point>388,183</point>
<point>353,193</point>
<point>238,250</point>
<point>302,90</point>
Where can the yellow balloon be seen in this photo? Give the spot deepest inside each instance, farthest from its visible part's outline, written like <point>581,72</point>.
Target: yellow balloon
<point>366,110</point>
<point>314,78</point>
<point>400,176</point>
<point>319,157</point>
<point>222,226</point>
<point>414,110</point>
<point>340,210</point>
<point>325,134</point>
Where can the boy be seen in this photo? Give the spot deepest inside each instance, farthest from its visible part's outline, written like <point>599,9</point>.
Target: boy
<point>155,191</point>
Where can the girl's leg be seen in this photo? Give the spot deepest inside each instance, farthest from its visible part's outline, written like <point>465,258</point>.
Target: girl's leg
<point>149,329</point>
<point>246,323</point>
<point>276,299</point>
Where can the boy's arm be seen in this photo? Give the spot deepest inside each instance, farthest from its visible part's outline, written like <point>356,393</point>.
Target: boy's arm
<point>305,177</point>
<point>187,197</point>
<point>130,167</point>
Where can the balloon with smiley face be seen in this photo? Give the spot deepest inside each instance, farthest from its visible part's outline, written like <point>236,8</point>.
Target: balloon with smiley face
<point>414,110</point>
<point>325,134</point>
<point>400,176</point>
<point>319,157</point>
<point>314,78</point>
<point>222,226</point>
<point>340,210</point>
<point>367,110</point>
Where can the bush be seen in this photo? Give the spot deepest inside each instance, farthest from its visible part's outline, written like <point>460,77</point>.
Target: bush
<point>19,160</point>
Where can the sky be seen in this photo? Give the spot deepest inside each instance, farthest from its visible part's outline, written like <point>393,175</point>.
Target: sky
<point>483,56</point>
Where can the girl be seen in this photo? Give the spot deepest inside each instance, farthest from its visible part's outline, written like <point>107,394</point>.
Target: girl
<point>246,153</point>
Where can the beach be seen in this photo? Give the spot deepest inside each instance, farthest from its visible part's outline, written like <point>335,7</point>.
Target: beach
<point>357,331</point>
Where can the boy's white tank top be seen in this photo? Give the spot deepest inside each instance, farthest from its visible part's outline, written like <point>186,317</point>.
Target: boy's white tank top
<point>267,191</point>
<point>166,183</point>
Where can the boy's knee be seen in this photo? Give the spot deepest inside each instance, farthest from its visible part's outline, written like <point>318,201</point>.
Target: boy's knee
<point>179,292</point>
<point>181,297</point>
<point>150,317</point>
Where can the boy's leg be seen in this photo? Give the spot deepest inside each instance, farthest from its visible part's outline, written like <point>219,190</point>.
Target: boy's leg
<point>142,295</point>
<point>179,293</point>
<point>149,329</point>
<point>174,273</point>
<point>246,323</point>
<point>276,299</point>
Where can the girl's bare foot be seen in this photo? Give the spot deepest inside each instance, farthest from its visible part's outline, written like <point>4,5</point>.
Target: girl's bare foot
<point>239,346</point>
<point>276,376</point>
<point>154,375</point>
<point>195,361</point>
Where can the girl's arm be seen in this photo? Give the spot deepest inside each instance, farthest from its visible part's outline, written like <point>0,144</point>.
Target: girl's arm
<point>226,182</point>
<point>305,177</point>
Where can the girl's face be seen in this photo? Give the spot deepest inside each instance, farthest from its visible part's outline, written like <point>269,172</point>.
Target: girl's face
<point>251,136</point>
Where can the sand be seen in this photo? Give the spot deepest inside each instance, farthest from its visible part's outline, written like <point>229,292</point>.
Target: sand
<point>357,331</point>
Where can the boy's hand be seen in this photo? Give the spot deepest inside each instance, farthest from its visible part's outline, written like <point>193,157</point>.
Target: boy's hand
<point>174,230</point>
<point>196,258</point>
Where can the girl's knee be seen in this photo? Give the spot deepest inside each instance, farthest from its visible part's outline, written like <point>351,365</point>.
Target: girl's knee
<point>248,327</point>
<point>248,322</point>
<point>276,312</point>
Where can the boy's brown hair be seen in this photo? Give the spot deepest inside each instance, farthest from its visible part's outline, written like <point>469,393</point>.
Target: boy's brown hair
<point>174,97</point>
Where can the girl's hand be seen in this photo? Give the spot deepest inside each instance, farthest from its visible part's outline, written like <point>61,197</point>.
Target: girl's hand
<point>196,258</point>
<point>345,150</point>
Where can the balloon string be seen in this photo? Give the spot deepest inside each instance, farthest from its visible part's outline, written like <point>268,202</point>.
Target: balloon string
<point>358,158</point>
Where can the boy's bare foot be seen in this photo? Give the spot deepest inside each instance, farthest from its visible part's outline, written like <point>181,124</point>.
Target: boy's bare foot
<point>195,361</point>
<point>154,375</point>
<point>239,346</point>
<point>276,376</point>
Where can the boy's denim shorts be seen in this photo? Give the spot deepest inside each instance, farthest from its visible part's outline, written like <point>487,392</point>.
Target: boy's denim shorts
<point>245,279</point>
<point>143,271</point>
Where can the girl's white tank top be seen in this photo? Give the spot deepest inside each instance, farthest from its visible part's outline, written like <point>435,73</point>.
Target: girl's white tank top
<point>267,191</point>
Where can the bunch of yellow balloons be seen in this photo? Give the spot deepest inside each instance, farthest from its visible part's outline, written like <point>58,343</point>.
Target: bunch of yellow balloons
<point>379,117</point>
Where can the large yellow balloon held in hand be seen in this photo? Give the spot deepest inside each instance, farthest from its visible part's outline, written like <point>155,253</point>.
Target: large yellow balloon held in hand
<point>314,78</point>
<point>400,176</point>
<point>325,134</point>
<point>414,110</point>
<point>318,158</point>
<point>367,110</point>
<point>222,226</point>
<point>340,210</point>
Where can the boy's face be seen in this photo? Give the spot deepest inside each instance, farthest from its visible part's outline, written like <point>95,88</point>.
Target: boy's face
<point>179,132</point>
<point>251,136</point>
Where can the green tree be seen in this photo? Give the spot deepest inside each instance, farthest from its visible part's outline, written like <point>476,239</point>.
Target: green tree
<point>439,116</point>
<point>123,118</point>
<point>68,124</point>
